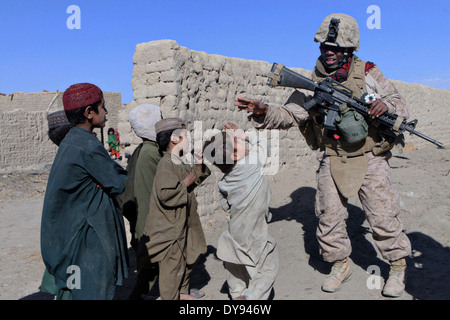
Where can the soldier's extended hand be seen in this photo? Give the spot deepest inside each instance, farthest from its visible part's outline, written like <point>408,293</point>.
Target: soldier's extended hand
<point>377,108</point>
<point>254,106</point>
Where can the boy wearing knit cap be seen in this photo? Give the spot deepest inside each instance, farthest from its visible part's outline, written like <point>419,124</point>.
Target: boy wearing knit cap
<point>58,126</point>
<point>173,227</point>
<point>83,241</point>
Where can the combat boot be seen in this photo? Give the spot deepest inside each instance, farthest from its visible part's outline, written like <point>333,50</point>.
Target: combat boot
<point>340,273</point>
<point>395,284</point>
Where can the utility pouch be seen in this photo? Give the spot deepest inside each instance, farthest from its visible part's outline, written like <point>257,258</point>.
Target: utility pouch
<point>387,142</point>
<point>351,124</point>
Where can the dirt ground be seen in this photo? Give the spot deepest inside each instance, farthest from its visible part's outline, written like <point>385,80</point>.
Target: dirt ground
<point>421,177</point>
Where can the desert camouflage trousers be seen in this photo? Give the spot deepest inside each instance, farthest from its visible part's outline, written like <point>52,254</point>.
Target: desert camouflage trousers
<point>380,202</point>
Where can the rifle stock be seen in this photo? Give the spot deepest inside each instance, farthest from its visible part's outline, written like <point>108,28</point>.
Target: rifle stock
<point>328,96</point>
<point>284,77</point>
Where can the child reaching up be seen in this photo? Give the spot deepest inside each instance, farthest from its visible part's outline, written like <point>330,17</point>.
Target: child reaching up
<point>249,252</point>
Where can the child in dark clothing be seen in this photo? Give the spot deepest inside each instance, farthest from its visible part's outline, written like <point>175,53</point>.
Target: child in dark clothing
<point>82,231</point>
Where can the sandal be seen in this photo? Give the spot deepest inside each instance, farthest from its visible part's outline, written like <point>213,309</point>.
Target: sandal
<point>197,294</point>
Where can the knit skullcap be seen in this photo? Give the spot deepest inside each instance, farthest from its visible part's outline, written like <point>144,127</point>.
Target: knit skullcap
<point>57,119</point>
<point>81,95</point>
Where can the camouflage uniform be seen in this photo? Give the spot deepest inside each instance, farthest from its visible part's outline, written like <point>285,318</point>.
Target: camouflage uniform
<point>349,166</point>
<point>378,197</point>
<point>380,202</point>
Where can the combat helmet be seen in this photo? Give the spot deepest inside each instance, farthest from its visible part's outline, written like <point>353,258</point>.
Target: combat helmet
<point>340,30</point>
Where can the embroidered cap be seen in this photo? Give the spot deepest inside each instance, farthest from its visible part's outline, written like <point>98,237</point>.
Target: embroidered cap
<point>57,119</point>
<point>81,95</point>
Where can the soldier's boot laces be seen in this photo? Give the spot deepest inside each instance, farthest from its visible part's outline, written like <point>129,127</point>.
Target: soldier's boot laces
<point>395,284</point>
<point>340,273</point>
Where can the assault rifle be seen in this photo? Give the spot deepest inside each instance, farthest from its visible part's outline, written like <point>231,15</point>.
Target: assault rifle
<point>331,97</point>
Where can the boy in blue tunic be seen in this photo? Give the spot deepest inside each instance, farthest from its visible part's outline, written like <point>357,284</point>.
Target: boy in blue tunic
<point>83,241</point>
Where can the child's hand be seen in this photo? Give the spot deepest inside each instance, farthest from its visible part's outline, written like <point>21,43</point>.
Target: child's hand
<point>230,125</point>
<point>234,130</point>
<point>189,179</point>
<point>198,157</point>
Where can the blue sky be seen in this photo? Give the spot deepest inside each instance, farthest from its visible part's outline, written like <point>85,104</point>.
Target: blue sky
<point>39,52</point>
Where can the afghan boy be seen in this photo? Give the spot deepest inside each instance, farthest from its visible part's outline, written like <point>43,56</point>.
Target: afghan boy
<point>176,238</point>
<point>58,128</point>
<point>248,251</point>
<point>83,241</point>
<point>135,199</point>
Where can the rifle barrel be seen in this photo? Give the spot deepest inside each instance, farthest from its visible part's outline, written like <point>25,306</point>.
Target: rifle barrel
<point>421,135</point>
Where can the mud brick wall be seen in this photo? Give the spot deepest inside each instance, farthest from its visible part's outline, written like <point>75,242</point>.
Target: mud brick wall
<point>24,141</point>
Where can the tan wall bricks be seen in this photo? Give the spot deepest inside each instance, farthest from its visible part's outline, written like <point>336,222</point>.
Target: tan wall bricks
<point>24,140</point>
